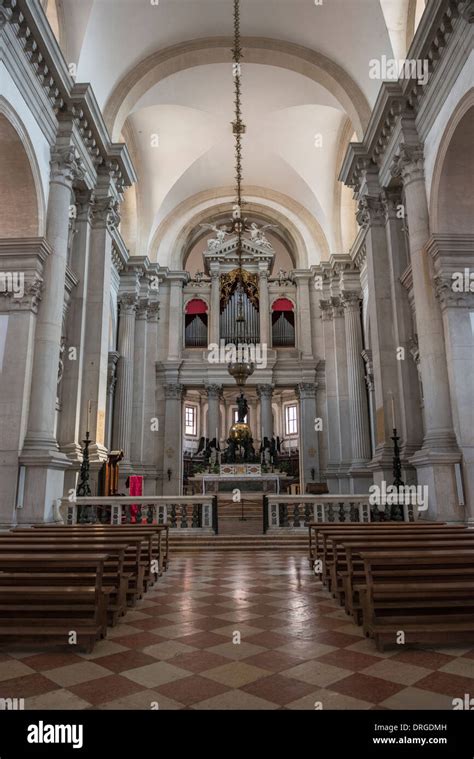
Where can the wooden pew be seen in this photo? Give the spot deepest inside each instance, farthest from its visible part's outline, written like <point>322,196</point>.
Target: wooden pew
<point>347,567</point>
<point>39,601</point>
<point>427,593</point>
<point>327,543</point>
<point>161,533</point>
<point>114,573</point>
<point>316,529</point>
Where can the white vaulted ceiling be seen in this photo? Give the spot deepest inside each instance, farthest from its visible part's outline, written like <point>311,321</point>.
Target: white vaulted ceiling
<point>300,104</point>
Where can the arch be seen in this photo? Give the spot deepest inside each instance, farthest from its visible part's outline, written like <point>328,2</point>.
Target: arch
<point>260,50</point>
<point>307,238</point>
<point>195,300</point>
<point>283,304</point>
<point>451,194</point>
<point>20,187</point>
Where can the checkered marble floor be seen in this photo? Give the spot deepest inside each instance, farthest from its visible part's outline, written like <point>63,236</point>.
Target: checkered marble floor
<point>178,649</point>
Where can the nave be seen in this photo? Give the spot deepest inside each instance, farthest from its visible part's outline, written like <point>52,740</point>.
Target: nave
<point>298,650</point>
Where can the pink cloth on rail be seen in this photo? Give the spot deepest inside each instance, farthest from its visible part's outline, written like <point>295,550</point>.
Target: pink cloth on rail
<point>135,488</point>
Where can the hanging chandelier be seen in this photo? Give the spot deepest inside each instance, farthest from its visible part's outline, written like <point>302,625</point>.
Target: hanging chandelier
<point>240,370</point>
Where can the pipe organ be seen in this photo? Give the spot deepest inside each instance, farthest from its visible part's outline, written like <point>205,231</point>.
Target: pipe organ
<point>233,331</point>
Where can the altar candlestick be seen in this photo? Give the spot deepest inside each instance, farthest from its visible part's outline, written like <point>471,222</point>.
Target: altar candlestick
<point>392,403</point>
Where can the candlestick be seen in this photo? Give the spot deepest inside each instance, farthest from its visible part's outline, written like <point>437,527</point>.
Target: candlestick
<point>392,403</point>
<point>88,416</point>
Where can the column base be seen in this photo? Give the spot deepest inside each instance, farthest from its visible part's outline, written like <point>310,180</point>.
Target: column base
<point>436,470</point>
<point>44,486</point>
<point>332,480</point>
<point>361,478</point>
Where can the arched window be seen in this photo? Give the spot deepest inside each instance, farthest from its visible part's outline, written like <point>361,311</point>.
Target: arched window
<point>283,323</point>
<point>196,324</point>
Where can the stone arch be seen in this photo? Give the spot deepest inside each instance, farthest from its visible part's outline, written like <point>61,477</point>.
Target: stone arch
<point>451,194</point>
<point>20,185</point>
<point>305,235</point>
<point>260,50</point>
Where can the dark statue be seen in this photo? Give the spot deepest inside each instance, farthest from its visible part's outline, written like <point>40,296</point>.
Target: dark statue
<point>242,408</point>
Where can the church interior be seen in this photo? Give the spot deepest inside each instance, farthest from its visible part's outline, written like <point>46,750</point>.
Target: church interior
<point>236,355</point>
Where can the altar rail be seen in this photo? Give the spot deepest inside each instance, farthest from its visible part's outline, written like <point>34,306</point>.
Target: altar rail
<point>180,512</point>
<point>297,511</point>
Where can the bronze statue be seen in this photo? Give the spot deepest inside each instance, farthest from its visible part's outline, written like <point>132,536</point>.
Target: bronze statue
<point>242,408</point>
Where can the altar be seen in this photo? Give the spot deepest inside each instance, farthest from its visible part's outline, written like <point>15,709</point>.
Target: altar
<point>248,478</point>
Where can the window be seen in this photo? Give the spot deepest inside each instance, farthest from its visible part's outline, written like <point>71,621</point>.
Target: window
<point>236,417</point>
<point>291,420</point>
<point>190,421</point>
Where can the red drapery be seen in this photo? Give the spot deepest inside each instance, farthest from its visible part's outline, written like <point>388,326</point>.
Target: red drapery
<point>282,304</point>
<point>196,307</point>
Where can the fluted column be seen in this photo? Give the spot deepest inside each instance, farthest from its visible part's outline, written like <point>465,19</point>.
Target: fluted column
<point>355,372</point>
<point>111,384</point>
<point>214,393</point>
<point>215,306</point>
<point>342,386</point>
<point>332,406</point>
<point>72,382</point>
<point>151,431</point>
<point>124,391</point>
<point>265,393</point>
<point>96,343</point>
<point>45,464</point>
<point>406,394</point>
<point>308,437</point>
<point>435,461</point>
<point>264,307</point>
<point>140,351</point>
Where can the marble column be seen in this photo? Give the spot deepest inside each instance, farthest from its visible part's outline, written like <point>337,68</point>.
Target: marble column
<point>111,384</point>
<point>355,370</point>
<point>369,381</point>
<point>452,256</point>
<point>214,393</point>
<point>302,280</point>
<point>72,382</point>
<point>332,432</point>
<point>265,393</point>
<point>382,336</point>
<point>408,411</point>
<point>96,343</point>
<point>124,391</point>
<point>214,316</point>
<point>173,440</point>
<point>264,306</point>
<point>175,333</point>
<point>151,435</point>
<point>308,437</point>
<point>342,386</point>
<point>435,461</point>
<point>139,375</point>
<point>45,464</point>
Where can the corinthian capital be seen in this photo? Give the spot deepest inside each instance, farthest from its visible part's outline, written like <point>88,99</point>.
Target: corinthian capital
<point>409,163</point>
<point>351,300</point>
<point>370,211</point>
<point>173,391</point>
<point>105,212</point>
<point>65,165</point>
<point>128,303</point>
<point>264,391</point>
<point>214,391</point>
<point>326,310</point>
<point>306,390</point>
